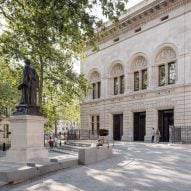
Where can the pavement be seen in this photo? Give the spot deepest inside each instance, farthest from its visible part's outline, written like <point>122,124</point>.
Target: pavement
<point>134,167</point>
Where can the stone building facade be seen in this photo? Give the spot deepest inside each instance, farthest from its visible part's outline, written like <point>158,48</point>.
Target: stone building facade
<point>141,75</point>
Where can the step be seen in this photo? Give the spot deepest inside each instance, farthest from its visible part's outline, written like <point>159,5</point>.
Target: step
<point>15,174</point>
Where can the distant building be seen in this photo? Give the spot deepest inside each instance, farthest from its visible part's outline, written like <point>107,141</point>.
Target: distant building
<point>65,126</point>
<point>141,75</point>
<point>5,136</point>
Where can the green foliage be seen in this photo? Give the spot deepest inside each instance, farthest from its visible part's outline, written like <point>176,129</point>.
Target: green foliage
<point>8,88</point>
<point>52,34</point>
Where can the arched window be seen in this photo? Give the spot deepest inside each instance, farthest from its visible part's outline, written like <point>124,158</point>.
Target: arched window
<point>166,62</point>
<point>139,69</point>
<point>95,81</point>
<point>117,74</point>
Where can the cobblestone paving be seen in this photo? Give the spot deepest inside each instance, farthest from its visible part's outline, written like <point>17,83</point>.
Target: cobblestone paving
<point>134,167</point>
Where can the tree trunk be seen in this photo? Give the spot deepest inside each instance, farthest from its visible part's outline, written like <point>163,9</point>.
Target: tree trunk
<point>56,133</point>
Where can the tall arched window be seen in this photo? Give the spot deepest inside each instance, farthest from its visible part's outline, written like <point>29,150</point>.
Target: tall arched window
<point>95,81</point>
<point>166,62</point>
<point>139,70</point>
<point>117,74</point>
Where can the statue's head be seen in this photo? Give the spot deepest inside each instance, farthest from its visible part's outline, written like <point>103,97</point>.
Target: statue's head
<point>27,61</point>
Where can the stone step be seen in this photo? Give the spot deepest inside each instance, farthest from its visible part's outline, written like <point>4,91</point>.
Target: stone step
<point>16,174</point>
<point>63,151</point>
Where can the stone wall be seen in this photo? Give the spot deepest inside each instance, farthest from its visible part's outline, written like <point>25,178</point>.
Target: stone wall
<point>153,42</point>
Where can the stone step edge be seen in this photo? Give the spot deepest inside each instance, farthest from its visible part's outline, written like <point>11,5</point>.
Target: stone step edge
<point>17,176</point>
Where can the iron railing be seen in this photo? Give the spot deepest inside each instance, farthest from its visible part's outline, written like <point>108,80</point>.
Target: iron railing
<point>82,134</point>
<point>180,134</point>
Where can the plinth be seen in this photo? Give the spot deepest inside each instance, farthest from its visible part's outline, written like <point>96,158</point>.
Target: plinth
<point>27,138</point>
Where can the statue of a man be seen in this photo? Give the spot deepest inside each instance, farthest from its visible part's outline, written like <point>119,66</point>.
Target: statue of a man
<point>28,85</point>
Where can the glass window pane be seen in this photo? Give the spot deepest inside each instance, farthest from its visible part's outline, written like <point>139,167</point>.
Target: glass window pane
<point>94,91</point>
<point>122,84</point>
<point>144,79</point>
<point>171,73</point>
<point>116,85</point>
<point>161,75</point>
<point>92,123</point>
<point>97,123</point>
<point>136,81</point>
<point>99,89</point>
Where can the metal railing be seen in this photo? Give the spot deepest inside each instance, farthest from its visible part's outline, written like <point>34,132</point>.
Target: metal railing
<point>82,134</point>
<point>180,134</point>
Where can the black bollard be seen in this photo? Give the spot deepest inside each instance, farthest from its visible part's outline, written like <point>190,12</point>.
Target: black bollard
<point>4,147</point>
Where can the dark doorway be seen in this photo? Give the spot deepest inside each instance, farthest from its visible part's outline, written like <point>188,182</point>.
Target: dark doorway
<point>165,119</point>
<point>117,127</point>
<point>139,126</point>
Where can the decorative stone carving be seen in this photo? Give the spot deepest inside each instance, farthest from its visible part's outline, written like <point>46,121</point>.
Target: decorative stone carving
<point>166,54</point>
<point>139,63</point>
<point>95,77</point>
<point>117,70</point>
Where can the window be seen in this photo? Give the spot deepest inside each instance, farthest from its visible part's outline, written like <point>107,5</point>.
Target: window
<point>171,73</point>
<point>144,79</point>
<point>95,124</point>
<point>140,84</point>
<point>92,122</point>
<point>164,18</point>
<point>122,85</point>
<point>96,90</point>
<point>116,86</point>
<point>139,73</point>
<point>167,74</point>
<point>118,79</point>
<point>99,89</point>
<point>166,61</point>
<point>162,75</point>
<point>137,30</point>
<point>95,81</point>
<point>119,85</point>
<point>136,81</point>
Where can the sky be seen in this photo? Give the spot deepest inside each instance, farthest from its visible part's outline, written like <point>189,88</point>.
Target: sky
<point>129,5</point>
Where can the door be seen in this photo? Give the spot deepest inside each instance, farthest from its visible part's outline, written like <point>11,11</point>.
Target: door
<point>166,118</point>
<point>117,127</point>
<point>139,126</point>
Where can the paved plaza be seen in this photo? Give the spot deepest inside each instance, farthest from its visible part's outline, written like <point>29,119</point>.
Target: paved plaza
<point>134,167</point>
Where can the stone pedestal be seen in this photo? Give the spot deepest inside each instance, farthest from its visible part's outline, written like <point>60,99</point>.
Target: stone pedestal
<point>27,139</point>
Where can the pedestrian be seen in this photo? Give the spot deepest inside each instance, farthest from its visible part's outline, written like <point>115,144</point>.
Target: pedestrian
<point>157,135</point>
<point>50,141</point>
<point>152,135</point>
<point>55,141</point>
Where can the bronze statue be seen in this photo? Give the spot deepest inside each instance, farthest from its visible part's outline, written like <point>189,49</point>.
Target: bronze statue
<point>29,86</point>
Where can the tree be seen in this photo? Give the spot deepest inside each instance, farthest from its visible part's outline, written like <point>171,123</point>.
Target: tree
<point>8,91</point>
<point>53,34</point>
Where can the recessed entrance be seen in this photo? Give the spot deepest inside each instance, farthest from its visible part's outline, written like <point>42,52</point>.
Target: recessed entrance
<point>165,119</point>
<point>117,127</point>
<point>139,126</point>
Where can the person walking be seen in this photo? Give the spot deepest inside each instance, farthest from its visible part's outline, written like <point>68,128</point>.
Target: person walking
<point>157,135</point>
<point>152,135</point>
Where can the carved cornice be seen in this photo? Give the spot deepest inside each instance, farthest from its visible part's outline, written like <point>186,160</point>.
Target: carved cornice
<point>141,17</point>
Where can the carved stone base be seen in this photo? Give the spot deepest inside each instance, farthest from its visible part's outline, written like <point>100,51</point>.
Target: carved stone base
<point>27,110</point>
